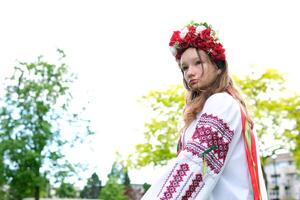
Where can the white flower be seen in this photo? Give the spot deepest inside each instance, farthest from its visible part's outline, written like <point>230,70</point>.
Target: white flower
<point>184,32</point>
<point>200,29</point>
<point>173,51</point>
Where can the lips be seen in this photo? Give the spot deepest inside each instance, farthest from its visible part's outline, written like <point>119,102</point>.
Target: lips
<point>192,82</point>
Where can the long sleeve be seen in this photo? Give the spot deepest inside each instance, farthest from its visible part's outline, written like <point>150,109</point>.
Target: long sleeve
<point>214,136</point>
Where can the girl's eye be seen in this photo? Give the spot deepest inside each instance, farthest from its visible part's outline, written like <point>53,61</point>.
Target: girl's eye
<point>198,62</point>
<point>184,68</point>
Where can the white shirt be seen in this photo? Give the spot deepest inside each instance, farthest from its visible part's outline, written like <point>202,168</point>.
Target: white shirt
<point>212,164</point>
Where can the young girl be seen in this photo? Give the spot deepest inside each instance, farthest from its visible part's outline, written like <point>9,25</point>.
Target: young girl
<point>217,151</point>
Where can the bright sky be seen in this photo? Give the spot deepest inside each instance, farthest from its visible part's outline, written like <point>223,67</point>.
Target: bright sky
<point>119,49</point>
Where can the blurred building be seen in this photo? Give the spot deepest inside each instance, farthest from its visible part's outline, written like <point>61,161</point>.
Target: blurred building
<point>282,177</point>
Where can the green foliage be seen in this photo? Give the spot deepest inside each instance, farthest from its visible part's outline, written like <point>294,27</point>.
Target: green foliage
<point>126,179</point>
<point>276,112</point>
<point>92,188</point>
<point>115,187</point>
<point>32,112</point>
<point>162,131</point>
<point>113,190</point>
<point>146,186</point>
<point>66,190</point>
<point>120,173</point>
<point>2,177</point>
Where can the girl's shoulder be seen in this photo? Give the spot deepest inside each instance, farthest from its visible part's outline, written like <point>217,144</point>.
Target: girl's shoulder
<point>221,102</point>
<point>221,97</point>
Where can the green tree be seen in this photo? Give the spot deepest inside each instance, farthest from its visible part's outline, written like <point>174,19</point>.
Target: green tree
<point>114,188</point>
<point>92,188</point>
<point>33,111</point>
<point>146,186</point>
<point>66,190</point>
<point>2,177</point>
<point>162,131</point>
<point>276,112</point>
<point>125,177</point>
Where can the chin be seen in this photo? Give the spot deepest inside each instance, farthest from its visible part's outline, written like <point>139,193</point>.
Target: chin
<point>197,88</point>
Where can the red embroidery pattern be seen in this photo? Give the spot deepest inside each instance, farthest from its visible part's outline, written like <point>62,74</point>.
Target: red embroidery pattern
<point>192,188</point>
<point>218,124</point>
<point>211,132</point>
<point>167,179</point>
<point>174,183</point>
<point>180,192</point>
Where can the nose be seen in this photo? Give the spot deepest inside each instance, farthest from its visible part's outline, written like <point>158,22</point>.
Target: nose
<point>190,72</point>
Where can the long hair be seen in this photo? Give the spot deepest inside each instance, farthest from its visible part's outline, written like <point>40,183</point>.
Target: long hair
<point>195,100</point>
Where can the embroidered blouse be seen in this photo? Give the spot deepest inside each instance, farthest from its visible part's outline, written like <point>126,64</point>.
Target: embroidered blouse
<point>211,163</point>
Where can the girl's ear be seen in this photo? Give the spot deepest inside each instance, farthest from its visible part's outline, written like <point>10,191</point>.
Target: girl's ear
<point>219,71</point>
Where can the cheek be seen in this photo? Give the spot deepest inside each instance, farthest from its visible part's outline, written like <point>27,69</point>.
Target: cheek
<point>213,76</point>
<point>201,70</point>
<point>209,74</point>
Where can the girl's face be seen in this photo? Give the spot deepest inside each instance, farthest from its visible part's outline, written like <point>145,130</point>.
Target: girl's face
<point>199,73</point>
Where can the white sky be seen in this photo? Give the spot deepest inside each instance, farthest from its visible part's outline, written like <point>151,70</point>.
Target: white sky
<point>119,49</point>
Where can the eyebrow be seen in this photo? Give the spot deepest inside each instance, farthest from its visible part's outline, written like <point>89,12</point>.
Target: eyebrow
<point>193,59</point>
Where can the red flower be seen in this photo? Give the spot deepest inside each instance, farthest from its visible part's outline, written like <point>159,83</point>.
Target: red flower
<point>205,34</point>
<point>203,40</point>
<point>175,38</point>
<point>218,52</point>
<point>190,37</point>
<point>192,29</point>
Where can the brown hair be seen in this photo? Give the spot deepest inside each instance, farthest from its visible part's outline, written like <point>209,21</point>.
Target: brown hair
<point>195,99</point>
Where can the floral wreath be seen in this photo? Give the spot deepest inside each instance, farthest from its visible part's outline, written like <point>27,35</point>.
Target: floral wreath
<point>200,36</point>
